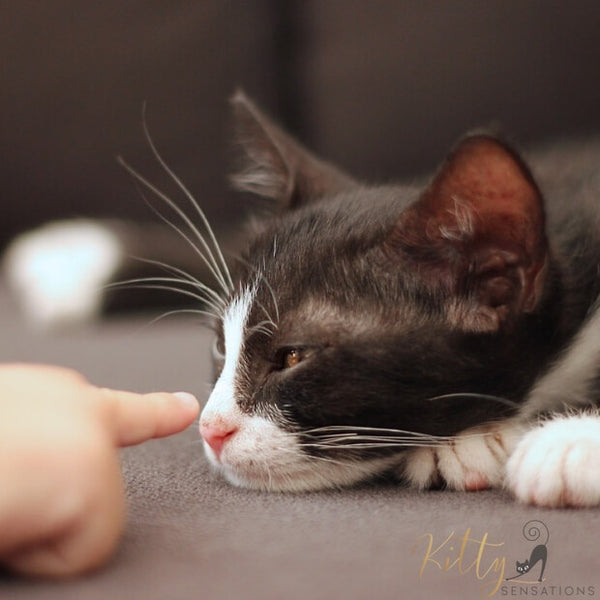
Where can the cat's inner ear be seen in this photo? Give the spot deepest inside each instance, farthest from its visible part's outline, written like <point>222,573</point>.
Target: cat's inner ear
<point>478,231</point>
<point>277,167</point>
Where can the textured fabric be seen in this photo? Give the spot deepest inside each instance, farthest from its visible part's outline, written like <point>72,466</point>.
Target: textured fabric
<point>191,535</point>
<point>383,87</point>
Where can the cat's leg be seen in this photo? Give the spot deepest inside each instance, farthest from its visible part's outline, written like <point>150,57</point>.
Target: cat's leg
<point>473,460</point>
<point>542,557</point>
<point>558,463</point>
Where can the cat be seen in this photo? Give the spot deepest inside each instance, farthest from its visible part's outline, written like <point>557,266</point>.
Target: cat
<point>372,330</point>
<point>539,554</point>
<point>445,334</point>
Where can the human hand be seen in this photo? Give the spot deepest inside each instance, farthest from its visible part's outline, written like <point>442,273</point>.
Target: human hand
<point>62,504</point>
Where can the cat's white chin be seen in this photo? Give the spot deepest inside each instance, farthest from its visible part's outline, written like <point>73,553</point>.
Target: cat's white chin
<point>295,473</point>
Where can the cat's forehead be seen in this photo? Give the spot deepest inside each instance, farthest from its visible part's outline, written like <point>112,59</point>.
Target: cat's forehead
<point>357,217</point>
<point>324,264</point>
<point>293,306</point>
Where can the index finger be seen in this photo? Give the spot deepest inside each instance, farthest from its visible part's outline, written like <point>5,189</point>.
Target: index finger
<point>135,418</point>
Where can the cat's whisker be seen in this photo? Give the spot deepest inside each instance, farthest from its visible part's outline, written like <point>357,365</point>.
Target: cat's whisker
<point>262,327</point>
<point>313,457</point>
<point>139,181</point>
<point>208,259</point>
<point>186,278</point>
<point>475,396</point>
<point>353,429</point>
<point>180,311</point>
<point>377,440</point>
<point>373,445</point>
<point>200,293</point>
<point>210,265</point>
<point>268,286</point>
<point>148,285</point>
<point>350,438</point>
<point>269,320</point>
<point>224,270</point>
<point>157,279</point>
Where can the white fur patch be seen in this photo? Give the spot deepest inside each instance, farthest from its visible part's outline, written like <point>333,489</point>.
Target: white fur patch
<point>58,270</point>
<point>264,456</point>
<point>557,463</point>
<point>221,409</point>
<point>261,454</point>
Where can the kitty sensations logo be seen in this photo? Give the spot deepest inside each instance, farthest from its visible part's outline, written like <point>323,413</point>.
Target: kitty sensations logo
<point>533,531</point>
<point>468,554</point>
<point>481,557</point>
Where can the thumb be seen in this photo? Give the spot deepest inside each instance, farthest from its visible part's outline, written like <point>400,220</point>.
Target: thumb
<point>135,418</point>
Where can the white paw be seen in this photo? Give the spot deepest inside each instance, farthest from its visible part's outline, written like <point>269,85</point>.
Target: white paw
<point>473,460</point>
<point>558,463</point>
<point>58,271</point>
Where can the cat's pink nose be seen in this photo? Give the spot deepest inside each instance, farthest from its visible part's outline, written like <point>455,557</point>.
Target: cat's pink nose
<point>216,435</point>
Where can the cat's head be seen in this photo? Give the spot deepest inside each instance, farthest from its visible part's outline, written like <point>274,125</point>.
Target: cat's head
<point>523,567</point>
<point>357,306</point>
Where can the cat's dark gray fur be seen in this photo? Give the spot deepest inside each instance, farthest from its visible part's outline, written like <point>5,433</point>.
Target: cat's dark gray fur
<point>408,302</point>
<point>414,330</point>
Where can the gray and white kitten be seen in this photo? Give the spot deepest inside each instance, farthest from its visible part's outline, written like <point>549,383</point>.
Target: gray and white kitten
<point>373,330</point>
<point>444,334</point>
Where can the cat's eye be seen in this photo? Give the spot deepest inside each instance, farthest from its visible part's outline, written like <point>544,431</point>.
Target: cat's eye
<point>287,358</point>
<point>291,358</point>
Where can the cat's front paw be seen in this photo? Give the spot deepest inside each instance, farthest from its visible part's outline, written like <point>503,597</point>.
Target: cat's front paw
<point>473,460</point>
<point>558,463</point>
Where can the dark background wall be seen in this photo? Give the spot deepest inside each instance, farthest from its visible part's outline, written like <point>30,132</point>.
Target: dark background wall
<point>382,87</point>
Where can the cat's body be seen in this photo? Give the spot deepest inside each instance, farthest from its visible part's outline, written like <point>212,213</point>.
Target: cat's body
<point>538,555</point>
<point>419,331</point>
<point>532,531</point>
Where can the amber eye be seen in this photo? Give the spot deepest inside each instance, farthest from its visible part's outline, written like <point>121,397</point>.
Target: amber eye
<point>287,358</point>
<point>291,358</point>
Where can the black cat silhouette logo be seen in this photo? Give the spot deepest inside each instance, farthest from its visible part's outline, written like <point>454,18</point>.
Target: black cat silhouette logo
<point>532,532</point>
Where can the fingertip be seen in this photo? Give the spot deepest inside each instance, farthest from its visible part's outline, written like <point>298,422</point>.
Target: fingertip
<point>140,417</point>
<point>188,400</point>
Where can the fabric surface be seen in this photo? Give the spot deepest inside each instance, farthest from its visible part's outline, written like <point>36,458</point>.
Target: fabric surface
<point>191,535</point>
<point>380,87</point>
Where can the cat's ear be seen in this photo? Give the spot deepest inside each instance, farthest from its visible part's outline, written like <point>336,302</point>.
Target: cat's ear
<point>478,231</point>
<point>275,165</point>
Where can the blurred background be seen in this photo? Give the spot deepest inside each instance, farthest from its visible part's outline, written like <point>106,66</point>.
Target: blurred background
<point>381,87</point>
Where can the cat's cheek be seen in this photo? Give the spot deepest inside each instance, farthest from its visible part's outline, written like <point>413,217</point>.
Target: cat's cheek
<point>263,456</point>
<point>556,464</point>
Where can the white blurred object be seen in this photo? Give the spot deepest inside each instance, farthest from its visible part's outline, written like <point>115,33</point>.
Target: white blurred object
<point>59,270</point>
